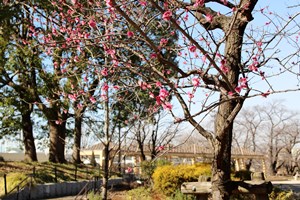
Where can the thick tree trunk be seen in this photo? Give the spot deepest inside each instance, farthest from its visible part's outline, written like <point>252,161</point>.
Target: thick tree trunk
<point>77,139</point>
<point>221,165</point>
<point>28,139</point>
<point>227,111</point>
<point>57,142</point>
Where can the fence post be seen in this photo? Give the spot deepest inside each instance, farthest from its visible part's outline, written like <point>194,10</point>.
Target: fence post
<point>30,185</point>
<point>33,171</point>
<point>75,172</point>
<point>96,178</point>
<point>18,190</point>
<point>55,174</point>
<point>87,171</point>
<point>5,185</point>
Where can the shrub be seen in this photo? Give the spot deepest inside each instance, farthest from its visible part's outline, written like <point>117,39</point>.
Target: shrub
<point>148,167</point>
<point>167,179</point>
<point>139,193</point>
<point>279,194</point>
<point>1,159</point>
<point>179,196</point>
<point>242,197</point>
<point>94,196</point>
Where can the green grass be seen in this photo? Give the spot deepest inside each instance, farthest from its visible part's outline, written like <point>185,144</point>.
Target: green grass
<point>43,173</point>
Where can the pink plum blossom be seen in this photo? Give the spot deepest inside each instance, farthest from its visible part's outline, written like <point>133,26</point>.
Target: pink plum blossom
<point>143,3</point>
<point>190,95</point>
<point>104,96</point>
<point>243,82</point>
<point>130,34</point>
<point>76,59</point>
<point>93,100</point>
<point>151,95</point>
<point>109,3</point>
<point>223,67</point>
<point>163,41</point>
<point>167,106</point>
<point>253,67</point>
<point>160,148</point>
<point>55,64</point>
<point>224,2</point>
<point>199,3</point>
<point>238,89</point>
<point>105,87</point>
<point>116,87</point>
<point>104,72</point>
<point>129,170</point>
<point>167,15</point>
<point>92,23</point>
<point>266,94</point>
<point>143,85</point>
<point>163,94</point>
<point>72,97</point>
<point>58,122</point>
<point>192,48</point>
<point>196,81</point>
<point>209,18</point>
<point>153,55</point>
<point>158,84</point>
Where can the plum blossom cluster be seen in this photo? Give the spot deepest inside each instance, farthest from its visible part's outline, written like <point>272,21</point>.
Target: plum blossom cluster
<point>163,96</point>
<point>243,84</point>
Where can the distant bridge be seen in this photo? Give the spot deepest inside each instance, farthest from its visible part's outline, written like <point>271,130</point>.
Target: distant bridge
<point>193,152</point>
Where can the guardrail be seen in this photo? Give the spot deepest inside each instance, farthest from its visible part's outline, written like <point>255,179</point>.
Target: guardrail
<point>87,188</point>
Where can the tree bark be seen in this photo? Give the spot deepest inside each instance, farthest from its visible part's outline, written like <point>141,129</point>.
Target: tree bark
<point>28,139</point>
<point>106,152</point>
<point>141,147</point>
<point>221,165</point>
<point>57,142</point>
<point>77,139</point>
<point>119,148</point>
<point>105,172</point>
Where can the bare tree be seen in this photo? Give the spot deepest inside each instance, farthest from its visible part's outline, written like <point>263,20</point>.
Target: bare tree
<point>269,129</point>
<point>153,135</point>
<point>247,131</point>
<point>290,139</point>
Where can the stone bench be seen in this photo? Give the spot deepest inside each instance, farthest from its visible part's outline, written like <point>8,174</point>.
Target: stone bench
<point>257,186</point>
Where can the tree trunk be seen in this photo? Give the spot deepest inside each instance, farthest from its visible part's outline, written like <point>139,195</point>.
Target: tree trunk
<point>142,153</point>
<point>221,165</point>
<point>57,142</point>
<point>77,139</point>
<point>106,151</point>
<point>153,144</point>
<point>105,172</point>
<point>119,149</point>
<point>28,139</point>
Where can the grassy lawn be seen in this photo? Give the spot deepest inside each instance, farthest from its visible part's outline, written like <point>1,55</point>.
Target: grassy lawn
<point>43,173</point>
